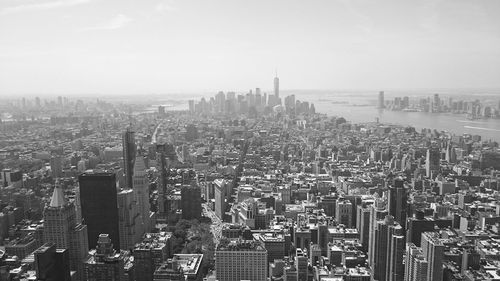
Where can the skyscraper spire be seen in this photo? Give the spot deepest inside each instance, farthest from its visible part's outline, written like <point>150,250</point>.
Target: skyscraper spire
<point>57,199</point>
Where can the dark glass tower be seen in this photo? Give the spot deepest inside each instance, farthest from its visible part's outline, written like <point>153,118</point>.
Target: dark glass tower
<point>129,151</point>
<point>398,197</point>
<point>98,197</point>
<point>191,202</point>
<point>52,263</point>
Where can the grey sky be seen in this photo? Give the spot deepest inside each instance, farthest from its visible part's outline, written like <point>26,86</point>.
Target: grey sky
<point>160,46</point>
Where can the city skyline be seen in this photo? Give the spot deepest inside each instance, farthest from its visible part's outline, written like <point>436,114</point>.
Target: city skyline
<point>77,47</point>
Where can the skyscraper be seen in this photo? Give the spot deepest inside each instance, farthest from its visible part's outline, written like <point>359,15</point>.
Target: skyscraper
<point>141,189</point>
<point>130,221</point>
<point>98,197</point>
<point>191,202</point>
<point>276,87</point>
<point>60,228</point>
<point>381,102</point>
<point>52,263</point>
<point>432,162</point>
<point>398,197</point>
<point>416,264</point>
<point>389,248</point>
<point>129,151</point>
<point>433,250</point>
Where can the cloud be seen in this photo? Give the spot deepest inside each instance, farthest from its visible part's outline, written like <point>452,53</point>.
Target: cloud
<point>42,6</point>
<point>116,22</point>
<point>165,6</point>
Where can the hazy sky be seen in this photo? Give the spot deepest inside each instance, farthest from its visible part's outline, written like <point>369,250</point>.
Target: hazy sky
<point>160,46</point>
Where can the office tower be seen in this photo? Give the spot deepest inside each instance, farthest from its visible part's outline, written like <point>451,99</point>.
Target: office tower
<point>52,264</point>
<point>141,189</point>
<point>433,250</point>
<point>37,102</point>
<point>129,220</point>
<point>416,264</point>
<point>276,87</point>
<point>381,101</point>
<point>436,103</point>
<point>301,264</point>
<point>191,106</point>
<point>61,228</point>
<point>56,166</point>
<point>377,212</point>
<point>389,247</point>
<point>150,253</point>
<point>241,260</point>
<point>191,202</point>
<point>396,268</point>
<point>398,196</point>
<point>343,212</point>
<point>220,100</point>
<point>129,152</point>
<point>98,198</point>
<point>105,263</point>
<point>432,162</point>
<point>363,225</point>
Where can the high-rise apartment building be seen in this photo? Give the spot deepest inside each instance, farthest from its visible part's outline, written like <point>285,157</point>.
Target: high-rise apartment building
<point>433,250</point>
<point>61,228</point>
<point>98,199</point>
<point>416,264</point>
<point>129,152</point>
<point>241,260</point>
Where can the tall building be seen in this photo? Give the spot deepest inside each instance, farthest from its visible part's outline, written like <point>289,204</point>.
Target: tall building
<point>398,196</point>
<point>241,260</point>
<point>60,227</point>
<point>52,263</point>
<point>377,212</point>
<point>105,263</point>
<point>141,189</point>
<point>129,152</point>
<point>432,162</point>
<point>56,166</point>
<point>343,212</point>
<point>416,264</point>
<point>98,198</point>
<point>191,202</point>
<point>389,248</point>
<point>301,263</point>
<point>277,86</point>
<point>381,101</point>
<point>129,219</point>
<point>150,253</point>
<point>433,250</point>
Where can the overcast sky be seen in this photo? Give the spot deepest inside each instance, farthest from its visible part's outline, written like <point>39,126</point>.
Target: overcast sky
<point>161,46</point>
